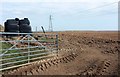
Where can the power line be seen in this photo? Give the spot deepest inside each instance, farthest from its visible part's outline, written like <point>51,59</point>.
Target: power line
<point>99,7</point>
<point>83,11</point>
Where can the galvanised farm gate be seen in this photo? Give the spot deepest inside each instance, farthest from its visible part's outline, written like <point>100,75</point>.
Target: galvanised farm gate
<point>24,48</point>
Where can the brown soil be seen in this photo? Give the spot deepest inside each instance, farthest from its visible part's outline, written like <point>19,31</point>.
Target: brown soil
<point>80,53</point>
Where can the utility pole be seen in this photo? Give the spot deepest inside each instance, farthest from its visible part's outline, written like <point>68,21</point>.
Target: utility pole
<point>50,24</point>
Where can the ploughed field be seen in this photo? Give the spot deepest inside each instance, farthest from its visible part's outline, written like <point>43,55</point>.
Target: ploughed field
<point>80,53</point>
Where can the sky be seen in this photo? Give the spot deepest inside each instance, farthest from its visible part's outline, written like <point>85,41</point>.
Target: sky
<point>66,14</point>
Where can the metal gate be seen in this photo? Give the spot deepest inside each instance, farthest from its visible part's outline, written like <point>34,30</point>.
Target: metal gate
<point>18,49</point>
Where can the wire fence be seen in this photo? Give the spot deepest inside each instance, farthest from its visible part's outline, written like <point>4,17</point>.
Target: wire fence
<point>18,49</point>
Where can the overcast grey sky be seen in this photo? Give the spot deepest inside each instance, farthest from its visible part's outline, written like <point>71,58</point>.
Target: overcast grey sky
<point>66,14</point>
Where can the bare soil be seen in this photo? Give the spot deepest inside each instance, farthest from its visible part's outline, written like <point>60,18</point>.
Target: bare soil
<point>80,53</point>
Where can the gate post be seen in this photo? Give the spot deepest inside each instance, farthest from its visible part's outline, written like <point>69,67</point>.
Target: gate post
<point>0,59</point>
<point>56,42</point>
<point>28,48</point>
